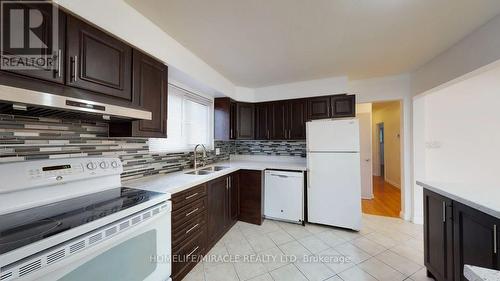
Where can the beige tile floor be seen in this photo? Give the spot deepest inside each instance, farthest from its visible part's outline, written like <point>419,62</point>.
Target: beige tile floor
<point>385,249</point>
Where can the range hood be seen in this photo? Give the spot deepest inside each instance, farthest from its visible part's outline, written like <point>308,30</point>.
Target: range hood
<point>27,102</point>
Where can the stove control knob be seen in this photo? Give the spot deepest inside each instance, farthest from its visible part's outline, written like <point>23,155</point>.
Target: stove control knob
<point>104,165</point>
<point>114,164</point>
<point>91,166</point>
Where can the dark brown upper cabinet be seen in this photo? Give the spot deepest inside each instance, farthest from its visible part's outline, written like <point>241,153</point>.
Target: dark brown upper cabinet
<point>150,91</point>
<point>224,119</point>
<point>279,129</point>
<point>318,108</point>
<point>97,62</point>
<point>262,121</point>
<point>297,117</point>
<point>438,233</point>
<point>245,121</point>
<point>45,33</point>
<point>343,106</point>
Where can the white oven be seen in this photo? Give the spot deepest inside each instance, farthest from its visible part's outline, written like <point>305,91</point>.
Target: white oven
<point>131,249</point>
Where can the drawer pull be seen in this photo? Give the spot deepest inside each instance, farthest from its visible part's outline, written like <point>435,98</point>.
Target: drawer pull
<point>192,212</point>
<point>192,228</point>
<point>495,239</point>
<point>444,211</point>
<point>191,196</point>
<point>188,255</point>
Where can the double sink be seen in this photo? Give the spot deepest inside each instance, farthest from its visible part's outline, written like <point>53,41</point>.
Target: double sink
<point>206,171</point>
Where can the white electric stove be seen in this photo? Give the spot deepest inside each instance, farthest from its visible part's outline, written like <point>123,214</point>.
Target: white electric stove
<point>70,219</point>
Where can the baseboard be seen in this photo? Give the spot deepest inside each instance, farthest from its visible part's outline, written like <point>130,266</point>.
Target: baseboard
<point>393,183</point>
<point>367,198</point>
<point>418,220</point>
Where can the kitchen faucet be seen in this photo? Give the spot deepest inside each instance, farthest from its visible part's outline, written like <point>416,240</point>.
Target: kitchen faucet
<point>204,155</point>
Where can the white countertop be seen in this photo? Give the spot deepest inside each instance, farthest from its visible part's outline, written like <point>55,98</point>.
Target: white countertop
<point>483,197</point>
<point>474,273</point>
<point>178,181</point>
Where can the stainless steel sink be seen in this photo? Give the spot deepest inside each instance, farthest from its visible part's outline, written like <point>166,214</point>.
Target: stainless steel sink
<point>199,172</point>
<point>214,168</point>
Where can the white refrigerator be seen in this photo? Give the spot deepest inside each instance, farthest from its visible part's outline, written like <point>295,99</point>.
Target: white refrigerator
<point>334,173</point>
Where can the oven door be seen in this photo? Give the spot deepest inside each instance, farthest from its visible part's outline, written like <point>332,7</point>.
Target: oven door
<point>141,253</point>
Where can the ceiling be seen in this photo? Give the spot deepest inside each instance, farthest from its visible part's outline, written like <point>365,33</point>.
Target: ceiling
<point>256,43</point>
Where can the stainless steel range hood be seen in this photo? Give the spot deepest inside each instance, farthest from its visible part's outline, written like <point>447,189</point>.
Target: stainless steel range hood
<point>23,99</point>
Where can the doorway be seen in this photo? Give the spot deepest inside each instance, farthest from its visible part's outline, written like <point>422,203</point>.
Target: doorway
<point>386,160</point>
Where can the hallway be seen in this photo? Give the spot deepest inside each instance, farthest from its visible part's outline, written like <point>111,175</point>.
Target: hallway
<point>386,201</point>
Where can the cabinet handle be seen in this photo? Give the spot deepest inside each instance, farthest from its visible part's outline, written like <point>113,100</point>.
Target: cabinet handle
<point>59,63</point>
<point>444,211</point>
<point>268,134</point>
<point>495,239</point>
<point>289,134</point>
<point>231,134</point>
<point>188,255</point>
<point>75,68</point>
<point>192,212</point>
<point>191,196</point>
<point>192,228</point>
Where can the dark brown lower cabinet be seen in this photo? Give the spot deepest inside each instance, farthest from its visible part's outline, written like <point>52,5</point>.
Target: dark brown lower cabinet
<point>456,235</point>
<point>438,232</point>
<point>475,239</point>
<point>251,196</point>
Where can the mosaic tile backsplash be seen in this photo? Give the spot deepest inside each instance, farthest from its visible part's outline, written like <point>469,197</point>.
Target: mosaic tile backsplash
<point>279,148</point>
<point>27,138</point>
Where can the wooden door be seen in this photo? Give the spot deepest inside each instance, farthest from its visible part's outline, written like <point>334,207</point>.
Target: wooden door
<point>234,197</point>
<point>262,121</point>
<point>297,116</point>
<point>245,120</point>
<point>46,33</point>
<point>438,235</point>
<point>222,119</point>
<point>279,130</point>
<point>251,196</point>
<point>474,239</point>
<point>217,209</point>
<point>343,106</point>
<point>150,84</point>
<point>318,108</point>
<point>98,62</point>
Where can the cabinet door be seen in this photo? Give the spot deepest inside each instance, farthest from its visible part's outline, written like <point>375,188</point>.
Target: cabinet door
<point>233,198</point>
<point>438,235</point>
<point>318,108</point>
<point>297,119</point>
<point>474,235</point>
<point>98,62</point>
<point>233,116</point>
<point>222,119</point>
<point>217,209</point>
<point>150,84</point>
<point>343,106</point>
<point>279,130</point>
<point>262,118</point>
<point>251,197</point>
<point>245,121</point>
<point>44,32</point>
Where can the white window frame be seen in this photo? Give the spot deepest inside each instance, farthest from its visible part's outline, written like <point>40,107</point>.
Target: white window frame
<point>194,97</point>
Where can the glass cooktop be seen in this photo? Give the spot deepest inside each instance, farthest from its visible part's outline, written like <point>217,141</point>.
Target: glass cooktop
<point>28,226</point>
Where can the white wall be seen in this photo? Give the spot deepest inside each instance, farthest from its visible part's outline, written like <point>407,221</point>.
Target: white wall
<point>479,48</point>
<point>118,18</point>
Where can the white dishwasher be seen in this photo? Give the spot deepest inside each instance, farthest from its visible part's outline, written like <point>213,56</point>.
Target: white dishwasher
<point>284,195</point>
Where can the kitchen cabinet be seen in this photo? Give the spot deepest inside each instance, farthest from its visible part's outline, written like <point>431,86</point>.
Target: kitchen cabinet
<point>45,33</point>
<point>224,119</point>
<point>297,117</point>
<point>319,108</point>
<point>217,209</point>
<point>475,239</point>
<point>251,196</point>
<point>150,91</point>
<point>343,106</point>
<point>278,130</point>
<point>455,235</point>
<point>234,198</point>
<point>245,121</point>
<point>96,61</point>
<point>262,121</point>
<point>189,229</point>
<point>438,233</point>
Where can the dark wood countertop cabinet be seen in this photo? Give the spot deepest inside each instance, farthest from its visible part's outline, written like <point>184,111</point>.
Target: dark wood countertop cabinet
<point>456,235</point>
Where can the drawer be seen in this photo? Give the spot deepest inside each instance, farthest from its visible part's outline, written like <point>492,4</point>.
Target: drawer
<point>188,229</point>
<point>188,255</point>
<point>188,212</point>
<point>187,196</point>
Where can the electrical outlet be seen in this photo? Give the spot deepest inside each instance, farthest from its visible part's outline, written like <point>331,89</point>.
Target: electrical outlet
<point>217,151</point>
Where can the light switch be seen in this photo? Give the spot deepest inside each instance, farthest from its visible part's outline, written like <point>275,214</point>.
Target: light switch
<point>217,151</point>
